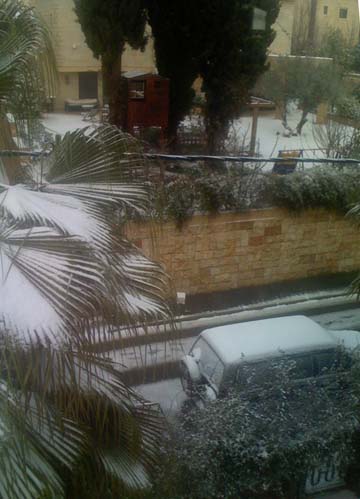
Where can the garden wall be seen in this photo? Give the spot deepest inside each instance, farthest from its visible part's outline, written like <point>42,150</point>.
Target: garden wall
<point>228,251</point>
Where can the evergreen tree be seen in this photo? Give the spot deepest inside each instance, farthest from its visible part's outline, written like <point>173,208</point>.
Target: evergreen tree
<point>213,39</point>
<point>108,26</point>
<point>232,58</point>
<point>176,43</point>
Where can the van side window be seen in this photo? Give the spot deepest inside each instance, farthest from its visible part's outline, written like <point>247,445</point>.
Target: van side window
<point>325,362</point>
<point>331,360</point>
<point>253,374</point>
<point>303,367</point>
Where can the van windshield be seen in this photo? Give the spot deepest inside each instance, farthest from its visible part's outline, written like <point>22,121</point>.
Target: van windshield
<point>209,362</point>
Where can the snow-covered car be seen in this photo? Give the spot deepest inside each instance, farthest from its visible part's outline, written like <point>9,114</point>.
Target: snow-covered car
<point>220,357</point>
<point>218,354</point>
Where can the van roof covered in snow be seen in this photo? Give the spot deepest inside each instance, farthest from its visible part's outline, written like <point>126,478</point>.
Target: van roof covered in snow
<point>267,338</point>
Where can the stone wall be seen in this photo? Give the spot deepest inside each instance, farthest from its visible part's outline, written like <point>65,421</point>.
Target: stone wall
<point>229,251</point>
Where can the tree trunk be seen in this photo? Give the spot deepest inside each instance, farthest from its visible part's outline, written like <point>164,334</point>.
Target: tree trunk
<point>114,89</point>
<point>216,135</point>
<point>284,120</point>
<point>302,121</point>
<point>11,165</point>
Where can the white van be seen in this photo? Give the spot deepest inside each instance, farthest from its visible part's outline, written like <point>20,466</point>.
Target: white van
<point>222,355</point>
<point>218,353</point>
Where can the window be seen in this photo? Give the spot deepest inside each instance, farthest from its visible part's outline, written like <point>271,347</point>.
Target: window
<point>326,8</point>
<point>303,367</point>
<point>343,13</point>
<point>325,362</point>
<point>330,361</point>
<point>137,89</point>
<point>88,85</point>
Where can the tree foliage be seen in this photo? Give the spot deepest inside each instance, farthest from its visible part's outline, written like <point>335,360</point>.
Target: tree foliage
<point>212,39</point>
<point>176,48</point>
<point>108,27</point>
<point>306,81</point>
<point>232,58</point>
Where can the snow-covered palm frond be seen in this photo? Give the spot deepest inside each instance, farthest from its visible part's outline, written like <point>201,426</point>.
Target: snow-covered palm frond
<point>60,239</point>
<point>65,412</point>
<point>142,282</point>
<point>47,280</point>
<point>71,188</point>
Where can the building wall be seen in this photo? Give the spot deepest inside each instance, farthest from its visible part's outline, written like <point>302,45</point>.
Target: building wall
<point>229,251</point>
<point>72,53</point>
<point>284,28</point>
<point>312,22</point>
<point>349,27</point>
<point>306,19</point>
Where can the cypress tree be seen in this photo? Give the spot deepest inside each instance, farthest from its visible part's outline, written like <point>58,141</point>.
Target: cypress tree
<point>108,26</point>
<point>175,43</point>
<point>233,56</point>
<point>213,39</point>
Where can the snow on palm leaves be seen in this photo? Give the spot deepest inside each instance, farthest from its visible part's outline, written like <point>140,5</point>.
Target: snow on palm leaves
<point>57,246</point>
<point>63,408</point>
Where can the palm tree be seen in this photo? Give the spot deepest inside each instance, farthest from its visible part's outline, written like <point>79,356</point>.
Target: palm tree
<point>27,74</point>
<point>69,426</point>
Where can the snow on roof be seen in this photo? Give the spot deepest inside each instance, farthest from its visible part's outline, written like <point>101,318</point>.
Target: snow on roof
<point>135,74</point>
<point>267,338</point>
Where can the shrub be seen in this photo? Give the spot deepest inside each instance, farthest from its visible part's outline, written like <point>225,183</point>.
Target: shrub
<point>242,190</point>
<point>315,189</point>
<point>261,443</point>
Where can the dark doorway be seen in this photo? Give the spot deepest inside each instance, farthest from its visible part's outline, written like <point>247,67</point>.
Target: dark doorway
<point>88,85</point>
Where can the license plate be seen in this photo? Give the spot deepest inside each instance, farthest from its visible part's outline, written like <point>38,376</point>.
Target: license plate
<point>324,477</point>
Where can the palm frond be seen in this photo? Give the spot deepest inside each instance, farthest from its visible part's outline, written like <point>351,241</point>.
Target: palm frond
<point>47,280</point>
<point>34,446</point>
<point>28,206</point>
<point>62,248</point>
<point>122,431</point>
<point>25,49</point>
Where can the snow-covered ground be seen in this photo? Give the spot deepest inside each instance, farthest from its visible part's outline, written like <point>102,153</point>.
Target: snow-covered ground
<point>270,133</point>
<point>60,123</point>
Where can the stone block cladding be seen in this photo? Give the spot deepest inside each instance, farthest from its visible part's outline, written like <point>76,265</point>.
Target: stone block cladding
<point>228,251</point>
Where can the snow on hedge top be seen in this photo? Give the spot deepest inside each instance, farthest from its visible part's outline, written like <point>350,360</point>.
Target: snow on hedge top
<point>267,338</point>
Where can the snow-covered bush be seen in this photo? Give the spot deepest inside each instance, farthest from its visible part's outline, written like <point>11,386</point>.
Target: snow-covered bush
<point>315,189</point>
<point>260,443</point>
<point>210,192</point>
<point>240,190</point>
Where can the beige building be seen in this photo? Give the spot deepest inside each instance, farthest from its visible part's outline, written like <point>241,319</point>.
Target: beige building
<point>302,24</point>
<point>79,72</point>
<point>284,29</point>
